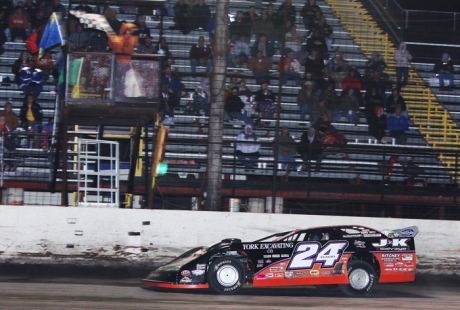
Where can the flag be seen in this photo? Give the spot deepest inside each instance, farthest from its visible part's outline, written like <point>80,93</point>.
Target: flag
<point>94,21</point>
<point>53,33</point>
<point>74,76</point>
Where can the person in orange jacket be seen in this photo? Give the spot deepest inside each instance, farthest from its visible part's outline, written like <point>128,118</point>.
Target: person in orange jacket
<point>124,43</point>
<point>18,24</point>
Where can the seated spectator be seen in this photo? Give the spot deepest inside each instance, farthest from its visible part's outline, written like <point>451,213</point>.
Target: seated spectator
<point>265,104</point>
<point>380,81</point>
<point>267,48</point>
<point>29,8</point>
<point>264,93</point>
<point>339,68</point>
<point>31,80</point>
<point>162,48</point>
<point>349,105</point>
<point>445,71</point>
<point>239,54</point>
<point>45,64</point>
<point>402,58</point>
<point>264,26</point>
<point>285,146</point>
<point>290,68</point>
<point>260,66</point>
<point>293,41</point>
<point>310,148</point>
<point>234,105</point>
<point>174,84</point>
<point>307,100</point>
<point>147,47</point>
<point>352,80</point>
<point>167,104</point>
<point>201,14</point>
<point>372,100</point>
<point>31,115</point>
<point>18,24</point>
<point>325,30</point>
<point>98,42</point>
<point>239,27</point>
<point>19,64</point>
<point>315,65</point>
<point>375,64</point>
<point>308,14</point>
<point>243,90</point>
<point>325,81</point>
<point>319,111</point>
<point>200,55</point>
<point>182,13</point>
<point>233,83</point>
<point>397,124</point>
<point>142,30</point>
<point>205,82</point>
<point>316,41</point>
<point>396,100</point>
<point>56,6</point>
<point>37,20</point>
<point>200,101</point>
<point>332,102</point>
<point>78,39</point>
<point>377,122</point>
<point>251,16</point>
<point>285,9</point>
<point>247,147</point>
<point>11,119</point>
<point>113,21</point>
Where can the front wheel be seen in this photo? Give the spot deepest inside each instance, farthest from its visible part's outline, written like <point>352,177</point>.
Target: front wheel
<point>226,275</point>
<point>361,277</point>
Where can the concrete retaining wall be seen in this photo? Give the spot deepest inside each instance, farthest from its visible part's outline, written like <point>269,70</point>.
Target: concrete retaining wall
<point>125,237</point>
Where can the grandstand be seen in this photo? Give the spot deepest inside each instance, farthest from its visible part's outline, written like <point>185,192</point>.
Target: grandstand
<point>362,178</point>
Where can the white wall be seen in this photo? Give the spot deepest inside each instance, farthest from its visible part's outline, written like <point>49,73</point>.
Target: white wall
<point>108,236</point>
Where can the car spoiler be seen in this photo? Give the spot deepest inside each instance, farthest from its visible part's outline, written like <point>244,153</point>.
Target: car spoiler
<point>411,232</point>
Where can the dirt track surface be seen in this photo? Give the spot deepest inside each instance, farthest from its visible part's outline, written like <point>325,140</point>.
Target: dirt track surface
<point>22,292</point>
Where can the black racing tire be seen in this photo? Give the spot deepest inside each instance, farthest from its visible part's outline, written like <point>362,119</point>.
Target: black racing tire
<point>361,277</point>
<point>226,275</point>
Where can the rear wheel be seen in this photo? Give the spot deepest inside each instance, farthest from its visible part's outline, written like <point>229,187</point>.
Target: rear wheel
<point>226,275</point>
<point>361,277</point>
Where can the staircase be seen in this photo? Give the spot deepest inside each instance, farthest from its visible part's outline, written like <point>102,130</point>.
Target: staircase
<point>434,122</point>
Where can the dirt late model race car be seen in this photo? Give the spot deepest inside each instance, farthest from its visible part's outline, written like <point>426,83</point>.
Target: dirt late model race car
<point>354,257</point>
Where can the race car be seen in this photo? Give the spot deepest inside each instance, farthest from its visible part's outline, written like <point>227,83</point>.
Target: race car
<point>352,256</point>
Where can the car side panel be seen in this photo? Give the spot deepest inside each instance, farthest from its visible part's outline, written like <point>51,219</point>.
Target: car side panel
<point>397,266</point>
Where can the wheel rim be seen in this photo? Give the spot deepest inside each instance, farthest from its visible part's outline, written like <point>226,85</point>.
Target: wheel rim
<point>227,275</point>
<point>359,279</point>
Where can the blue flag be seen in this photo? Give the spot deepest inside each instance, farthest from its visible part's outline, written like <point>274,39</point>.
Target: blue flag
<point>52,35</point>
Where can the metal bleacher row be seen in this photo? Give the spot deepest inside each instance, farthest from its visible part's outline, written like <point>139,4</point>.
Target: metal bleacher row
<point>186,147</point>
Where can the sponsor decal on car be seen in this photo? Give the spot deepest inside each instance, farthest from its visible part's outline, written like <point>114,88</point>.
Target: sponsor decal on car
<point>201,266</point>
<point>260,261</point>
<point>268,261</point>
<point>314,272</point>
<point>337,271</point>
<point>408,233</point>
<point>300,274</point>
<point>390,257</point>
<point>276,269</point>
<point>403,269</point>
<point>269,275</point>
<point>388,269</point>
<point>407,257</point>
<point>259,265</point>
<point>388,265</point>
<point>325,272</point>
<point>360,244</point>
<point>409,264</point>
<point>289,274</point>
<point>279,275</point>
<point>266,246</point>
<point>372,235</point>
<point>261,277</point>
<point>185,273</point>
<point>198,272</point>
<point>399,264</point>
<point>410,269</point>
<point>185,280</point>
<point>284,255</point>
<point>282,264</point>
<point>275,255</point>
<point>267,256</point>
<point>394,244</point>
<point>353,236</point>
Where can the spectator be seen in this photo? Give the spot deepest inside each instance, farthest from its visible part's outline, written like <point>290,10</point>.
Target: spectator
<point>201,14</point>
<point>251,16</point>
<point>402,58</point>
<point>396,100</point>
<point>98,42</point>
<point>31,115</point>
<point>57,7</point>
<point>6,6</point>
<point>307,100</point>
<point>239,27</point>
<point>310,148</point>
<point>142,31</point>
<point>78,38</point>
<point>264,26</point>
<point>308,14</point>
<point>315,65</point>
<point>290,68</point>
<point>37,19</point>
<point>375,64</point>
<point>286,150</point>
<point>147,47</point>
<point>31,79</point>
<point>349,105</point>
<point>18,24</point>
<point>167,103</point>
<point>264,93</point>
<point>233,83</point>
<point>200,55</point>
<point>372,100</point>
<point>19,64</point>
<point>247,147</point>
<point>206,83</point>
<point>293,41</point>
<point>4,30</point>
<point>200,101</point>
<point>266,47</point>
<point>174,84</point>
<point>234,105</point>
<point>324,82</point>
<point>445,70</point>
<point>377,122</point>
<point>397,124</point>
<point>352,80</point>
<point>83,6</point>
<point>316,41</point>
<point>243,90</point>
<point>325,30</point>
<point>380,81</point>
<point>280,13</point>
<point>182,13</point>
<point>11,119</point>
<point>265,104</point>
<point>239,54</point>
<point>113,21</point>
<point>339,68</point>
<point>260,66</point>
<point>45,64</point>
<point>162,48</point>
<point>319,111</point>
<point>332,102</point>
<point>271,12</point>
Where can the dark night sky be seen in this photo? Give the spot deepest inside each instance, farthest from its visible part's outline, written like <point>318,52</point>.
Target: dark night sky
<point>433,5</point>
